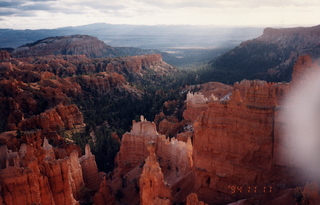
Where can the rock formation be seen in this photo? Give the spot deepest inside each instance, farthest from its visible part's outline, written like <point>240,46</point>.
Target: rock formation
<point>31,86</point>
<point>192,199</point>
<point>92,177</point>
<point>34,174</point>
<point>304,69</point>
<point>228,130</point>
<point>175,160</point>
<point>61,117</point>
<point>103,82</point>
<point>153,189</point>
<point>4,55</point>
<point>103,196</point>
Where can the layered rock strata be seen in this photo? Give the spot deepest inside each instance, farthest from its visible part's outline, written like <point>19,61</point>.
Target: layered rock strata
<point>35,175</point>
<point>92,177</point>
<point>61,117</point>
<point>234,141</point>
<point>175,160</point>
<point>153,189</point>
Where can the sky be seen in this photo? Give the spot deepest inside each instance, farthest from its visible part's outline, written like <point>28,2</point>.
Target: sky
<point>38,14</point>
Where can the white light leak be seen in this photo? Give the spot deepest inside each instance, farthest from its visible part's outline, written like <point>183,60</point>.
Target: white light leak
<point>302,118</point>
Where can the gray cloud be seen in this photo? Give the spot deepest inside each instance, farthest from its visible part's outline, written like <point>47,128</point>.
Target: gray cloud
<point>227,4</point>
<point>9,4</point>
<point>37,7</point>
<point>6,12</point>
<point>27,7</point>
<point>121,7</point>
<point>153,11</point>
<point>101,5</point>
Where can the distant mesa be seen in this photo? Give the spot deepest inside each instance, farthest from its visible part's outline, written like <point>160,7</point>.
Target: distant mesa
<point>86,45</point>
<point>90,46</point>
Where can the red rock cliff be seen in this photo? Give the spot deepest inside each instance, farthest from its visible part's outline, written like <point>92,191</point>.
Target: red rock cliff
<point>234,140</point>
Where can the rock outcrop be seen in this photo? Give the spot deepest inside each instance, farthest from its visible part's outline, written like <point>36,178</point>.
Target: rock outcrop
<point>37,174</point>
<point>103,82</point>
<point>4,55</point>
<point>103,196</point>
<point>175,160</point>
<point>153,189</point>
<point>139,64</point>
<point>61,117</point>
<point>304,69</point>
<point>236,142</point>
<point>192,199</point>
<point>92,177</point>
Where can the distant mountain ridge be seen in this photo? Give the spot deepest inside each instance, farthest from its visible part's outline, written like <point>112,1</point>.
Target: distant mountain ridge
<point>141,36</point>
<point>90,46</point>
<point>86,45</point>
<point>272,55</point>
<point>180,45</point>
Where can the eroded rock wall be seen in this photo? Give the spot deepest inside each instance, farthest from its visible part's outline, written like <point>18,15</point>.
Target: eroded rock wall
<point>36,175</point>
<point>234,141</point>
<point>153,189</point>
<point>173,156</point>
<point>61,117</point>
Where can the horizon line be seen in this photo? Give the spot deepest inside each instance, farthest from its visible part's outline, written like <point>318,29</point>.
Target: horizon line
<point>191,25</point>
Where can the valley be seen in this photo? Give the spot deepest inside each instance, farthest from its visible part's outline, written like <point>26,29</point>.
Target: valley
<point>85,122</point>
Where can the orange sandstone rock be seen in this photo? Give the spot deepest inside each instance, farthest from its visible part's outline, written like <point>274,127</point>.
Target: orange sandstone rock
<point>103,196</point>
<point>4,55</point>
<point>152,186</point>
<point>92,177</point>
<point>192,199</point>
<point>54,119</point>
<point>233,139</point>
<point>175,160</point>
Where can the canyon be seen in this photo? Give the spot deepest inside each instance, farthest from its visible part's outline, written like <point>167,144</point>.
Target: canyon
<point>212,144</point>
<point>237,148</point>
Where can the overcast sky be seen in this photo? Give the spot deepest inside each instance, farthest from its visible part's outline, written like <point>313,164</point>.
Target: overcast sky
<point>35,14</point>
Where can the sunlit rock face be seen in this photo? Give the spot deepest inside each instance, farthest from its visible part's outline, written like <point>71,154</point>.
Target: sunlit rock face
<point>34,175</point>
<point>234,140</point>
<point>32,171</point>
<point>174,158</point>
<point>153,189</point>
